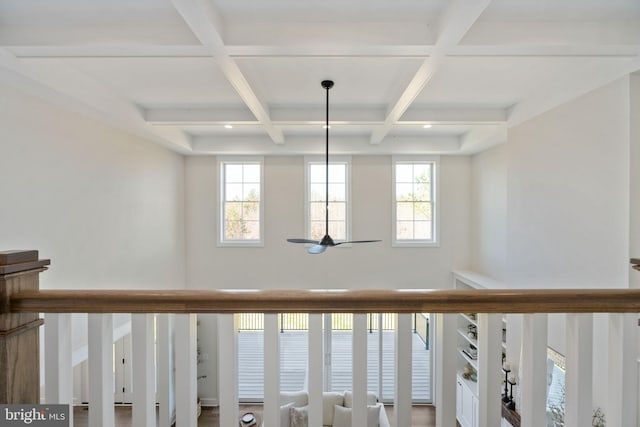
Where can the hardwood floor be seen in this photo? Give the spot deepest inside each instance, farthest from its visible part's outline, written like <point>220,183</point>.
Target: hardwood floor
<point>422,416</point>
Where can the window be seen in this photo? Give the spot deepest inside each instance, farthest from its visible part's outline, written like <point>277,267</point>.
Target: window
<point>241,202</point>
<point>339,209</point>
<point>415,201</point>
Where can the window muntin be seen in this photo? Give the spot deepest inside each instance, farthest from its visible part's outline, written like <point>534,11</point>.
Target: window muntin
<point>414,195</point>
<point>338,199</point>
<point>241,190</point>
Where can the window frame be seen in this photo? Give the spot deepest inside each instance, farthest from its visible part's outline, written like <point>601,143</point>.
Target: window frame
<point>222,161</point>
<point>315,160</point>
<point>435,207</point>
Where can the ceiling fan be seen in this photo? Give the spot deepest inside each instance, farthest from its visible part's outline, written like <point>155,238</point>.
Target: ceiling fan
<point>322,245</point>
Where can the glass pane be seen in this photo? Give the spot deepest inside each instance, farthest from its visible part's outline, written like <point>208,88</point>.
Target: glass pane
<point>423,191</point>
<point>252,173</point>
<point>251,192</point>
<point>233,192</point>
<point>422,172</point>
<point>404,211</point>
<point>422,211</point>
<point>317,211</point>
<point>404,192</point>
<point>317,173</point>
<point>404,230</point>
<point>317,229</point>
<point>422,230</point>
<point>232,211</point>
<point>337,192</point>
<point>233,173</point>
<point>251,211</point>
<point>232,230</point>
<point>404,172</point>
<point>317,192</point>
<point>337,173</point>
<point>251,230</point>
<point>337,230</point>
<point>337,211</point>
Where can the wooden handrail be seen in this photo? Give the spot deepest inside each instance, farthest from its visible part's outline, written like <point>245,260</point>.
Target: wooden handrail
<point>304,301</point>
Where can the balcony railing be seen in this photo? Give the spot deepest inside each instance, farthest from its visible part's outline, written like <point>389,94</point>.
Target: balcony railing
<point>21,300</point>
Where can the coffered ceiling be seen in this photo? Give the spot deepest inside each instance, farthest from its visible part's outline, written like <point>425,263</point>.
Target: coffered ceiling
<point>179,72</point>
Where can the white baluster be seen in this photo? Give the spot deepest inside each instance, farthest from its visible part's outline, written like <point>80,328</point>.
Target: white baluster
<point>402,371</point>
<point>533,371</point>
<point>579,376</point>
<point>623,392</point>
<point>144,400</point>
<point>489,369</point>
<point>228,369</point>
<point>100,333</point>
<point>271,411</point>
<point>165,366</point>
<point>315,370</point>
<point>359,382</point>
<point>445,375</point>
<point>58,361</point>
<point>186,334</point>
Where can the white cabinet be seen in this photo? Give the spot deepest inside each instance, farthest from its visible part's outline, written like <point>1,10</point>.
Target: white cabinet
<point>466,403</point>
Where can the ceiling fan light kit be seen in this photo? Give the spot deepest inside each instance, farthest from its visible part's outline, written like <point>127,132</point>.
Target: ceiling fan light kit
<point>322,245</point>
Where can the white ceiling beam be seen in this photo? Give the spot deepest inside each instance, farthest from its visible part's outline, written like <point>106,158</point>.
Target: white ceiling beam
<point>453,115</point>
<point>303,51</point>
<point>67,87</point>
<point>518,50</point>
<point>205,23</point>
<point>120,51</point>
<point>457,20</point>
<point>309,115</point>
<point>198,116</point>
<point>390,51</point>
<point>340,145</point>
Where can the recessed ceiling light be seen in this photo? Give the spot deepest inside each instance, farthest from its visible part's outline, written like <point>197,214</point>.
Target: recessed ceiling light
<point>427,126</point>
<point>325,126</point>
<point>228,127</point>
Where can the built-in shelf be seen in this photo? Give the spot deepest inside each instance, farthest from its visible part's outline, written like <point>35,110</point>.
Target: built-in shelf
<point>472,362</point>
<point>469,319</point>
<point>470,397</point>
<point>472,341</point>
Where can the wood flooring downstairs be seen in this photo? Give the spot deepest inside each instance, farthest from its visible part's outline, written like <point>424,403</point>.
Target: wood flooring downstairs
<point>422,416</point>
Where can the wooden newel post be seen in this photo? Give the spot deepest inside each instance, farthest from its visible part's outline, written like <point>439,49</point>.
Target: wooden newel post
<point>19,340</point>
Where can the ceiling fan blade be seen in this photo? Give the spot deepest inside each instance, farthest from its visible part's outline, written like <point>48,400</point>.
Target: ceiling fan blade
<point>358,241</point>
<point>317,249</point>
<point>315,242</point>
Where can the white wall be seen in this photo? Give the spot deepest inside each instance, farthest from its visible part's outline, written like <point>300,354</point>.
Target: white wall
<point>107,208</point>
<point>284,265</point>
<point>634,160</point>
<point>104,206</point>
<point>489,212</point>
<point>568,194</point>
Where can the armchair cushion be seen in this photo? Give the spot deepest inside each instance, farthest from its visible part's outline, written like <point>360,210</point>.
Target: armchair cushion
<point>299,417</point>
<point>298,398</point>
<point>285,416</point>
<point>329,400</point>
<point>372,399</point>
<point>342,416</point>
